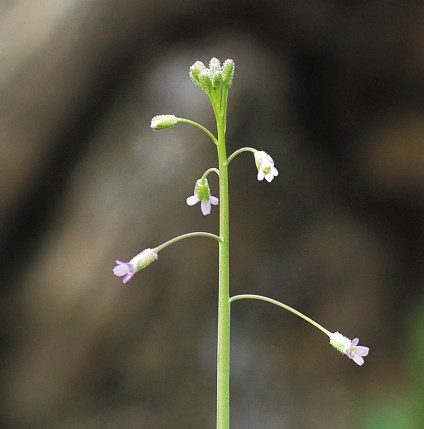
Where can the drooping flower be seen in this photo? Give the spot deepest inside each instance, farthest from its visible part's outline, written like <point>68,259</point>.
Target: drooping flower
<point>137,263</point>
<point>265,166</point>
<point>202,193</point>
<point>349,347</point>
<point>357,353</point>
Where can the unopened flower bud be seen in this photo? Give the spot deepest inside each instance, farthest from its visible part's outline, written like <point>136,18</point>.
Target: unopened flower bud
<point>214,66</point>
<point>215,72</point>
<point>228,72</point>
<point>162,122</point>
<point>217,80</point>
<point>195,70</point>
<point>205,82</point>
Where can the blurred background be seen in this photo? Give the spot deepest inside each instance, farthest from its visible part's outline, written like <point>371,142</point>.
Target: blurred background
<point>333,90</point>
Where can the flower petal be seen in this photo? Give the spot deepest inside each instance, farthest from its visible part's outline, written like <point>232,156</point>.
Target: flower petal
<point>214,201</point>
<point>358,359</point>
<point>191,201</point>
<point>205,207</point>
<point>354,342</point>
<point>121,269</point>
<point>269,177</point>
<point>127,278</point>
<point>362,350</point>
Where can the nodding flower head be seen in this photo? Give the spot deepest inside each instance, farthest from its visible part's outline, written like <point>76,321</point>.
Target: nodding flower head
<point>349,347</point>
<point>202,193</point>
<point>137,263</point>
<point>265,166</point>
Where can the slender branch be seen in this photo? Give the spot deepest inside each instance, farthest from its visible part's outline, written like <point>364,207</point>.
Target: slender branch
<point>209,170</point>
<point>184,236</point>
<point>201,127</point>
<point>286,307</point>
<point>239,151</point>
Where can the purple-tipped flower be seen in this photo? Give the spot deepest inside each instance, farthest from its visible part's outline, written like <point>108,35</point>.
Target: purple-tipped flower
<point>357,353</point>
<point>124,269</point>
<point>202,193</point>
<point>140,261</point>
<point>349,347</point>
<point>265,166</point>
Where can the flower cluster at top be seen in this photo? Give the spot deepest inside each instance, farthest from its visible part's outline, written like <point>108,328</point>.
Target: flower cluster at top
<point>213,78</point>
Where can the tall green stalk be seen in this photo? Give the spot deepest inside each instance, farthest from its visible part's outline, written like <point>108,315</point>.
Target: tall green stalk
<point>223,349</point>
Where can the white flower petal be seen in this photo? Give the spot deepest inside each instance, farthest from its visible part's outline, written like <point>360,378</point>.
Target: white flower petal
<point>214,201</point>
<point>261,175</point>
<point>274,171</point>
<point>269,177</point>
<point>191,201</point>
<point>205,207</point>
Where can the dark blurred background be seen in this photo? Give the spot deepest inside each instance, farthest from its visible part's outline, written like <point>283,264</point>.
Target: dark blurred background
<point>333,90</point>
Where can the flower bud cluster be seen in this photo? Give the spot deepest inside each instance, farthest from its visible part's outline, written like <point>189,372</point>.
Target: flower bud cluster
<point>213,78</point>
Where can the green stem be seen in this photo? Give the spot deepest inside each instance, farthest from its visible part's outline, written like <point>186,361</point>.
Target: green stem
<point>184,236</point>
<point>208,171</point>
<point>223,349</point>
<point>286,307</point>
<point>201,127</point>
<point>239,151</point>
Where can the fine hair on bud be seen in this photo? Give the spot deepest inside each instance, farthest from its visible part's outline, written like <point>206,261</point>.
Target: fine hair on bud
<point>228,72</point>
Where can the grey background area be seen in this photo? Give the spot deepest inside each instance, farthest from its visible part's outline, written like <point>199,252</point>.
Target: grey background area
<point>332,90</point>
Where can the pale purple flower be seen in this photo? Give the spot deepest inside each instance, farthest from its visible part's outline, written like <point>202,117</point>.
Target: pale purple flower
<point>349,347</point>
<point>356,353</point>
<point>124,269</point>
<point>202,193</point>
<point>265,166</point>
<point>137,263</point>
